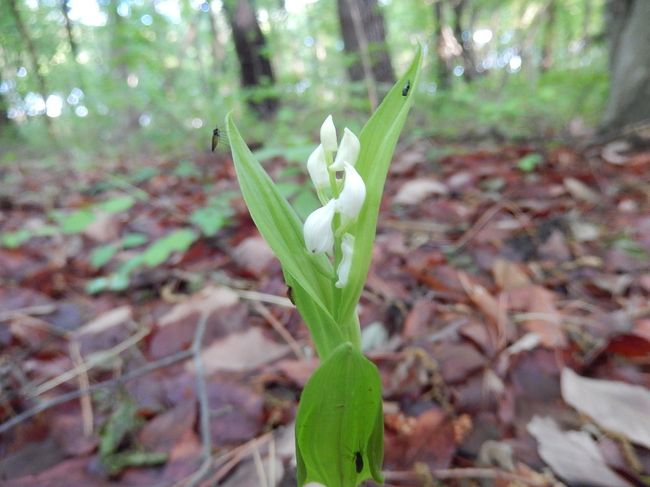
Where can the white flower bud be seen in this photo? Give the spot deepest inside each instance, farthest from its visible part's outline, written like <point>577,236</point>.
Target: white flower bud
<point>348,150</point>
<point>317,229</point>
<point>317,167</point>
<point>353,194</point>
<point>328,135</point>
<point>347,249</point>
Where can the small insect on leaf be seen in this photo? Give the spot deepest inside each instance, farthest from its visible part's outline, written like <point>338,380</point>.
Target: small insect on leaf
<point>216,134</point>
<point>358,461</point>
<point>407,87</point>
<point>290,295</point>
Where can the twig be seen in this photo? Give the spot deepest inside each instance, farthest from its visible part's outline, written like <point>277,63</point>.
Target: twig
<point>465,473</point>
<point>84,367</point>
<point>204,406</point>
<point>72,395</point>
<point>280,328</point>
<point>265,298</point>
<point>85,401</point>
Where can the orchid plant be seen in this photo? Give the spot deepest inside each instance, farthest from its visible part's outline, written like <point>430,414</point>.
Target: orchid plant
<point>325,261</point>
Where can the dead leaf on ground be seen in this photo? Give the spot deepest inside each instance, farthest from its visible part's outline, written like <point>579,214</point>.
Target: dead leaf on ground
<point>617,406</point>
<point>240,351</point>
<point>254,255</point>
<point>416,191</point>
<point>573,455</point>
<point>509,275</point>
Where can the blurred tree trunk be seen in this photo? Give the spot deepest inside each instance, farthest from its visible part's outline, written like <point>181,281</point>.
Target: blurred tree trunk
<point>65,10</point>
<point>217,50</point>
<point>33,56</point>
<point>5,122</point>
<point>442,59</point>
<point>119,45</point>
<point>549,34</point>
<point>254,62</point>
<point>467,48</point>
<point>364,37</point>
<point>629,64</point>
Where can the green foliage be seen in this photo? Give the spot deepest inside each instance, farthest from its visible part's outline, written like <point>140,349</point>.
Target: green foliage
<point>339,434</point>
<point>529,162</point>
<point>120,426</point>
<point>159,251</point>
<point>339,427</point>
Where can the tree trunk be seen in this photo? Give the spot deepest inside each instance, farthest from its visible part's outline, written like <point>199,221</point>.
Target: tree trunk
<point>442,59</point>
<point>629,97</point>
<point>467,53</point>
<point>549,34</point>
<point>364,37</point>
<point>33,56</point>
<point>255,66</point>
<point>65,10</point>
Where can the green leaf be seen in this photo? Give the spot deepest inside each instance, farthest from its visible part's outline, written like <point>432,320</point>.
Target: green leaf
<point>159,251</point>
<point>101,255</point>
<point>209,220</point>
<point>131,240</point>
<point>378,140</point>
<point>305,202</point>
<point>117,205</point>
<point>339,423</point>
<point>187,169</point>
<point>97,285</point>
<point>15,239</point>
<point>75,222</point>
<point>278,223</point>
<point>529,162</point>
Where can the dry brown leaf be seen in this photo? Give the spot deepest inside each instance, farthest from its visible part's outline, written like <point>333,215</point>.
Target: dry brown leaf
<point>581,191</point>
<point>208,300</point>
<point>239,352</point>
<point>573,455</point>
<point>254,255</point>
<point>105,321</point>
<point>509,275</point>
<point>416,191</point>
<point>617,406</point>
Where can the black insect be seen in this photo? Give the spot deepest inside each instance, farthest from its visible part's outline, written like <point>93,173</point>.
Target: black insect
<point>290,295</point>
<point>216,135</point>
<point>358,461</point>
<point>407,87</point>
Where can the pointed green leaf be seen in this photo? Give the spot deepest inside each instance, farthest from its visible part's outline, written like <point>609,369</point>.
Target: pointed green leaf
<point>339,424</point>
<point>282,229</point>
<point>378,140</point>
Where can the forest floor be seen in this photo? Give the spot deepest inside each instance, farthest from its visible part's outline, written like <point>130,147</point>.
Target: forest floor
<point>507,309</point>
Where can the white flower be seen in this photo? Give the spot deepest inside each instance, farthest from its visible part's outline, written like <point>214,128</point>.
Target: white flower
<point>328,135</point>
<point>317,230</point>
<point>317,167</point>
<point>353,194</point>
<point>348,150</point>
<point>347,249</point>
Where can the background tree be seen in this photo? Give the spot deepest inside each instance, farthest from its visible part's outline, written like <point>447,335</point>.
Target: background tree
<point>364,38</point>
<point>255,66</point>
<point>629,64</point>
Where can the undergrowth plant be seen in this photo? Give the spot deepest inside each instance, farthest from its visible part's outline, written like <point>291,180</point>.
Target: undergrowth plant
<point>325,261</point>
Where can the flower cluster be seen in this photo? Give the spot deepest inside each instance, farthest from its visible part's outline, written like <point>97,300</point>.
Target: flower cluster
<point>341,192</point>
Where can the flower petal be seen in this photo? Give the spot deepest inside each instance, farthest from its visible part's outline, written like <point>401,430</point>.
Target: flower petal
<point>317,229</point>
<point>347,249</point>
<point>348,150</point>
<point>328,135</point>
<point>317,167</point>
<point>353,194</point>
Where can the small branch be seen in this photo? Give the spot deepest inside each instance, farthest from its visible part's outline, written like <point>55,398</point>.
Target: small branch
<point>204,406</point>
<point>70,396</point>
<point>280,328</point>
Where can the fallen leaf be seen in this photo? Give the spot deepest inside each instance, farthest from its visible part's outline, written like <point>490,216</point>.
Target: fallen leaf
<point>254,255</point>
<point>239,352</point>
<point>106,330</point>
<point>617,406</point>
<point>509,275</point>
<point>581,191</point>
<point>416,191</point>
<point>573,455</point>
